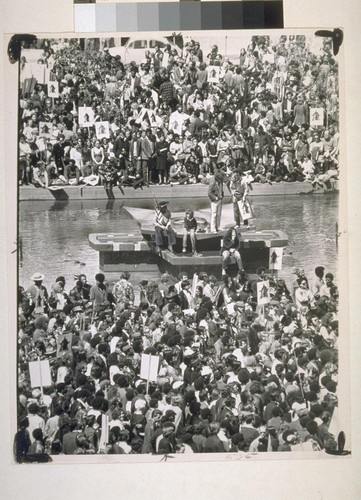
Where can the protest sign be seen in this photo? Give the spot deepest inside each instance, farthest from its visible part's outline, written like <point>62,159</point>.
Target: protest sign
<point>53,90</point>
<point>263,295</point>
<point>275,258</point>
<point>45,129</point>
<point>63,344</point>
<point>149,367</point>
<point>213,74</point>
<point>102,130</point>
<point>316,117</point>
<point>40,375</point>
<point>104,436</point>
<point>85,116</point>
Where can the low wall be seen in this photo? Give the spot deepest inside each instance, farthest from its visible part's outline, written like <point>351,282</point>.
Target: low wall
<point>31,193</point>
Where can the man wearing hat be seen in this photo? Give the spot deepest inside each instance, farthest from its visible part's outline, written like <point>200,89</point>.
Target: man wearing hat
<point>38,294</point>
<point>162,225</point>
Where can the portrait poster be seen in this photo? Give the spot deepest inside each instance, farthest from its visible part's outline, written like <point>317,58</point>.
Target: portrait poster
<point>63,344</point>
<point>316,117</point>
<point>275,258</point>
<point>213,74</point>
<point>86,116</point>
<point>45,129</point>
<point>176,121</point>
<point>102,129</point>
<point>319,465</point>
<point>53,89</point>
<point>263,293</point>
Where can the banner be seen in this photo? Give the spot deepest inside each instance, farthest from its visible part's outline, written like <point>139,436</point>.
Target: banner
<point>275,258</point>
<point>263,293</point>
<point>316,117</point>
<point>40,375</point>
<point>149,367</point>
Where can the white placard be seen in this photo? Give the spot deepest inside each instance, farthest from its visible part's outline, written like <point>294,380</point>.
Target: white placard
<point>40,375</point>
<point>104,436</point>
<point>194,284</point>
<point>149,367</point>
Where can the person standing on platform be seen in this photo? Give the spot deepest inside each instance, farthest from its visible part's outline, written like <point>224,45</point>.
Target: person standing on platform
<point>215,195</point>
<point>239,196</point>
<point>162,225</point>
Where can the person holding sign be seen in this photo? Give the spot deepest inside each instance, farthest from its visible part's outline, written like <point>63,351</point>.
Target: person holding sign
<point>230,247</point>
<point>162,225</point>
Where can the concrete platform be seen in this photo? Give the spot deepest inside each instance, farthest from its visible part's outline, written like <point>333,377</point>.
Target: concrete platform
<point>31,193</point>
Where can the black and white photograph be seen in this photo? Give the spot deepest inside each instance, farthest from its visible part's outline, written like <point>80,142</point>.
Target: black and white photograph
<point>178,247</point>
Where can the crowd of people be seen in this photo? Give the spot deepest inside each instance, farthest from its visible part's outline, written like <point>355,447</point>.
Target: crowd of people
<point>233,376</point>
<point>180,116</point>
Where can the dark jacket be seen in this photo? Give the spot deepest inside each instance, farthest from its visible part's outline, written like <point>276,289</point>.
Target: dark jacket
<point>215,191</point>
<point>229,243</point>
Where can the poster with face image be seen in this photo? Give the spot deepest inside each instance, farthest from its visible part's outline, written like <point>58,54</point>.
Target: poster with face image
<point>53,89</point>
<point>214,73</point>
<point>85,116</point>
<point>102,130</point>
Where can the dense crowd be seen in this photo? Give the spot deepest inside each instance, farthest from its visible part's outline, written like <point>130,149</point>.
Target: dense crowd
<point>180,116</point>
<point>233,376</point>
